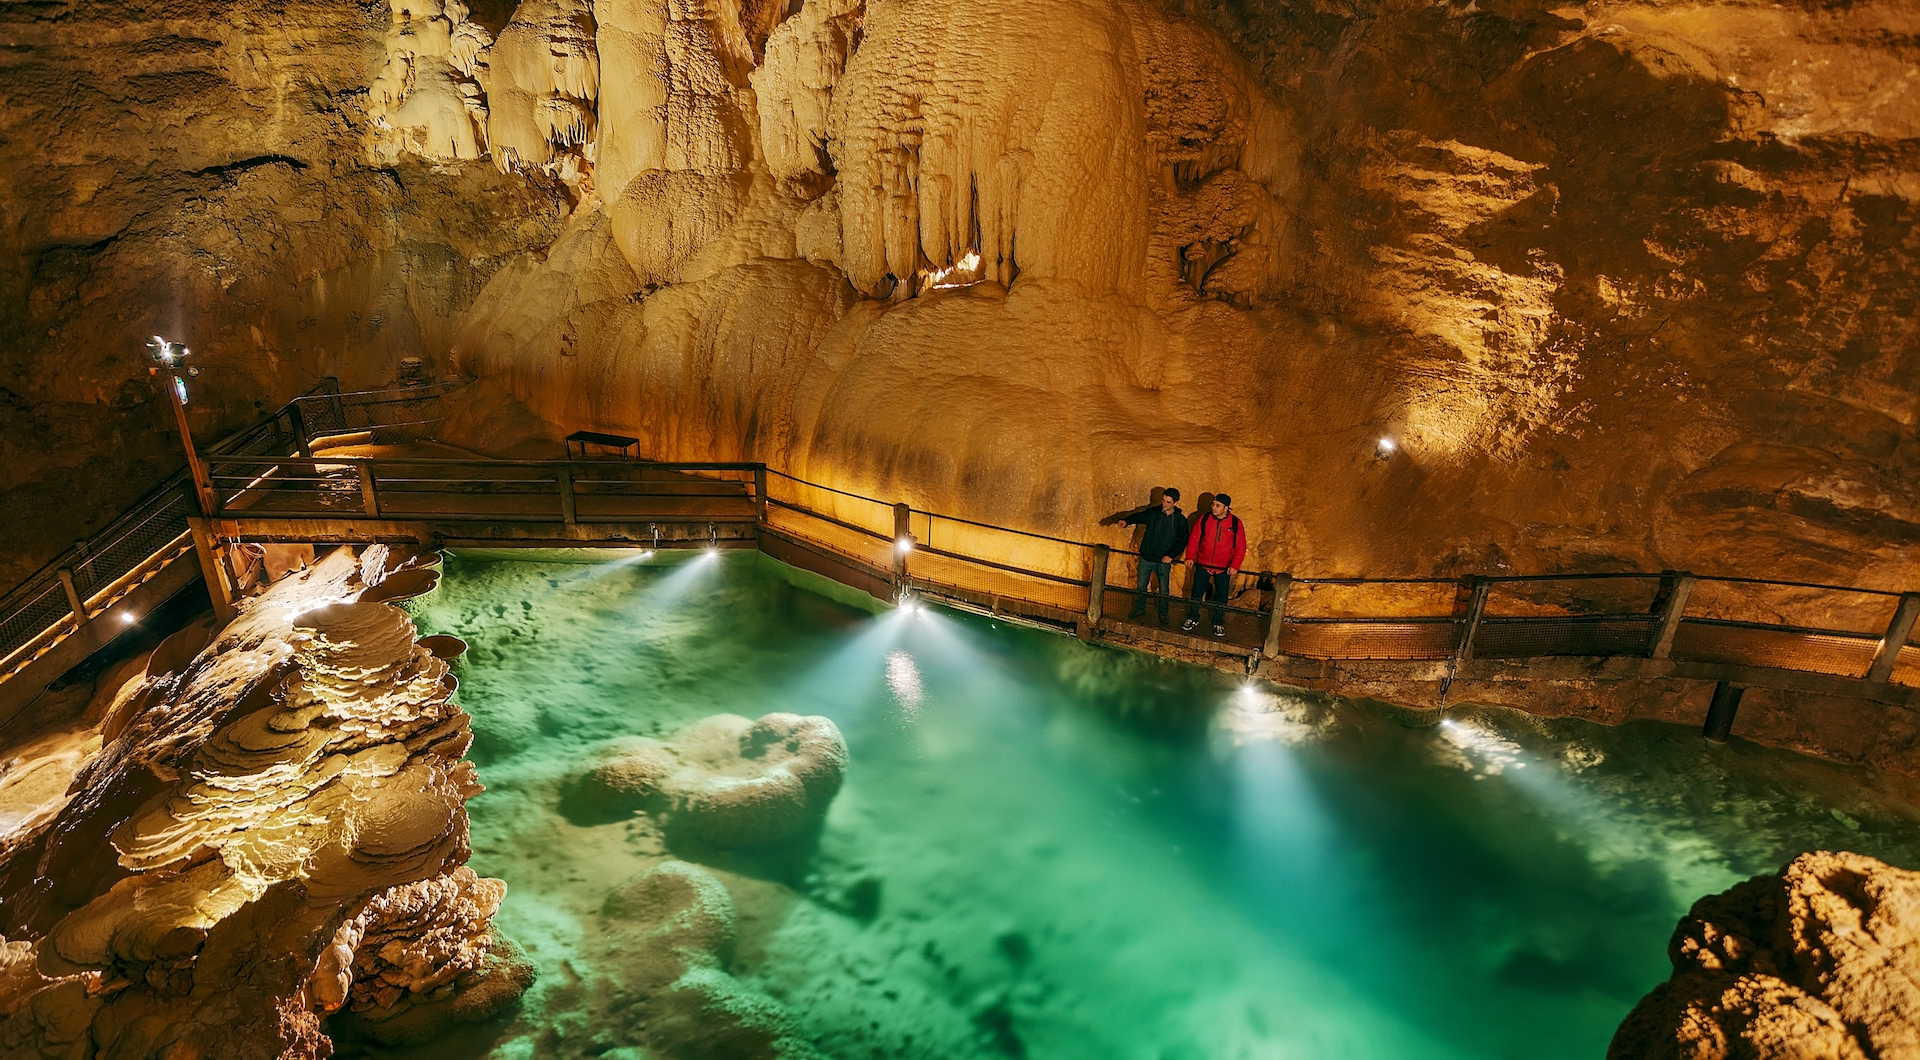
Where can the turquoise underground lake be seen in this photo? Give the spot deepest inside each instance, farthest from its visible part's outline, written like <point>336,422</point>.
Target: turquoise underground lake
<point>1044,849</point>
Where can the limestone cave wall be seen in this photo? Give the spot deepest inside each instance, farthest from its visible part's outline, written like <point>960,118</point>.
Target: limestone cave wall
<point>1629,284</point>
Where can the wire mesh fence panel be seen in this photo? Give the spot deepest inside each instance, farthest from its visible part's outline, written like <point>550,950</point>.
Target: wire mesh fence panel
<point>1016,548</point>
<point>1519,638</point>
<point>133,540</point>
<point>390,417</point>
<point>852,542</point>
<point>1786,649</point>
<point>1638,594</point>
<point>867,513</point>
<point>1381,640</point>
<point>1906,669</point>
<point>1783,604</point>
<point>987,580</point>
<point>1378,599</point>
<point>39,609</point>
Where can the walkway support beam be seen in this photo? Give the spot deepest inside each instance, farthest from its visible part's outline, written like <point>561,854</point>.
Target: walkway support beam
<point>1899,632</point>
<point>563,477</point>
<point>74,603</point>
<point>369,496</point>
<point>1282,585</point>
<point>1097,587</point>
<point>1671,613</point>
<point>206,549</point>
<point>1720,712</point>
<point>902,535</point>
<point>1476,606</point>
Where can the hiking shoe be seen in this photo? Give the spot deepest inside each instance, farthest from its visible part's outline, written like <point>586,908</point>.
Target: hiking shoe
<point>1219,631</point>
<point>1190,625</point>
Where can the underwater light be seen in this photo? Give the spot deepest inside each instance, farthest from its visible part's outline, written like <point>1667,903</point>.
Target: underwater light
<point>1384,449</point>
<point>126,616</point>
<point>905,544</point>
<point>713,553</point>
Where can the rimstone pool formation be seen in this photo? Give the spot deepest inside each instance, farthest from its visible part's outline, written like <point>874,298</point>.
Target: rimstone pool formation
<point>1436,290</point>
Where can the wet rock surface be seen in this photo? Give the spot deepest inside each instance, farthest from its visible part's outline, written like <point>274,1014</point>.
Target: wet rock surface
<point>1821,960</point>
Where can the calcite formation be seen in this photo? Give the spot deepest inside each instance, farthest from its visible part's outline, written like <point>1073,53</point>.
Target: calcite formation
<point>661,947</point>
<point>727,780</point>
<point>1821,960</point>
<point>273,830</point>
<point>1628,285</point>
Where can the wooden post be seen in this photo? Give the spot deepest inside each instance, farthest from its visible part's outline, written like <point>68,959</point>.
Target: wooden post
<point>1097,587</point>
<point>74,603</point>
<point>202,483</point>
<point>297,421</point>
<point>1282,585</point>
<point>1475,607</point>
<point>1720,712</point>
<point>369,496</point>
<point>215,573</point>
<point>1670,615</point>
<point>760,493</point>
<point>1899,631</point>
<point>564,477</point>
<point>902,533</point>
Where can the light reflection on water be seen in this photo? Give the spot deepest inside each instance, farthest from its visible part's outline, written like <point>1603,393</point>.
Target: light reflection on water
<point>1079,852</point>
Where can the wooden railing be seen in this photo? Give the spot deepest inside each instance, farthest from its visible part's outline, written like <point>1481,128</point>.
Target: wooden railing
<point>272,476</point>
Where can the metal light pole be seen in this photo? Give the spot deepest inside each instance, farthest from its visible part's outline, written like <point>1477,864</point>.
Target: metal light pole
<point>171,357</point>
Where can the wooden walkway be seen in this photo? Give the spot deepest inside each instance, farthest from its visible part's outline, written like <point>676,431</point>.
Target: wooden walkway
<point>269,485</point>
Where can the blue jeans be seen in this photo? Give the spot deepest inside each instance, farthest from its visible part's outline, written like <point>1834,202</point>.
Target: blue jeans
<point>1219,582</point>
<point>1149,570</point>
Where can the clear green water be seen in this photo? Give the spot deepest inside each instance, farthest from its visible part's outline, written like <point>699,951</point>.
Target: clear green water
<point>1050,850</point>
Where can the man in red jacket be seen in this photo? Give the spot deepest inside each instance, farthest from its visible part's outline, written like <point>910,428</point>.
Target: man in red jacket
<point>1216,548</point>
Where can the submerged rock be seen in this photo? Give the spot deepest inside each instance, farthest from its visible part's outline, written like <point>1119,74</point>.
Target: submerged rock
<point>1821,960</point>
<point>661,976</point>
<point>728,781</point>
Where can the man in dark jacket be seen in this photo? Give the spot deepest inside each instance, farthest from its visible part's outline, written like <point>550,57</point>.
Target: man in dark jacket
<point>1161,546</point>
<point>1216,548</point>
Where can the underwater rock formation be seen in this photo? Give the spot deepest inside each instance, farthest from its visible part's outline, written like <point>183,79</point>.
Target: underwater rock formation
<point>1821,960</point>
<point>728,781</point>
<point>661,955</point>
<point>272,831</point>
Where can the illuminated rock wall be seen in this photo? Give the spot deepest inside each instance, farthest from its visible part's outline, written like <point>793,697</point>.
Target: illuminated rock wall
<point>1628,286</point>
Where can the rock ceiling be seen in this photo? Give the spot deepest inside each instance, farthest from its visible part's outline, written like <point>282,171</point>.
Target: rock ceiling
<point>1631,284</point>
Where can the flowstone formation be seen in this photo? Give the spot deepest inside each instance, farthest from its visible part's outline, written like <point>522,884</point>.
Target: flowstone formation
<point>1628,285</point>
<point>728,781</point>
<point>273,831</point>
<point>1821,960</point>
